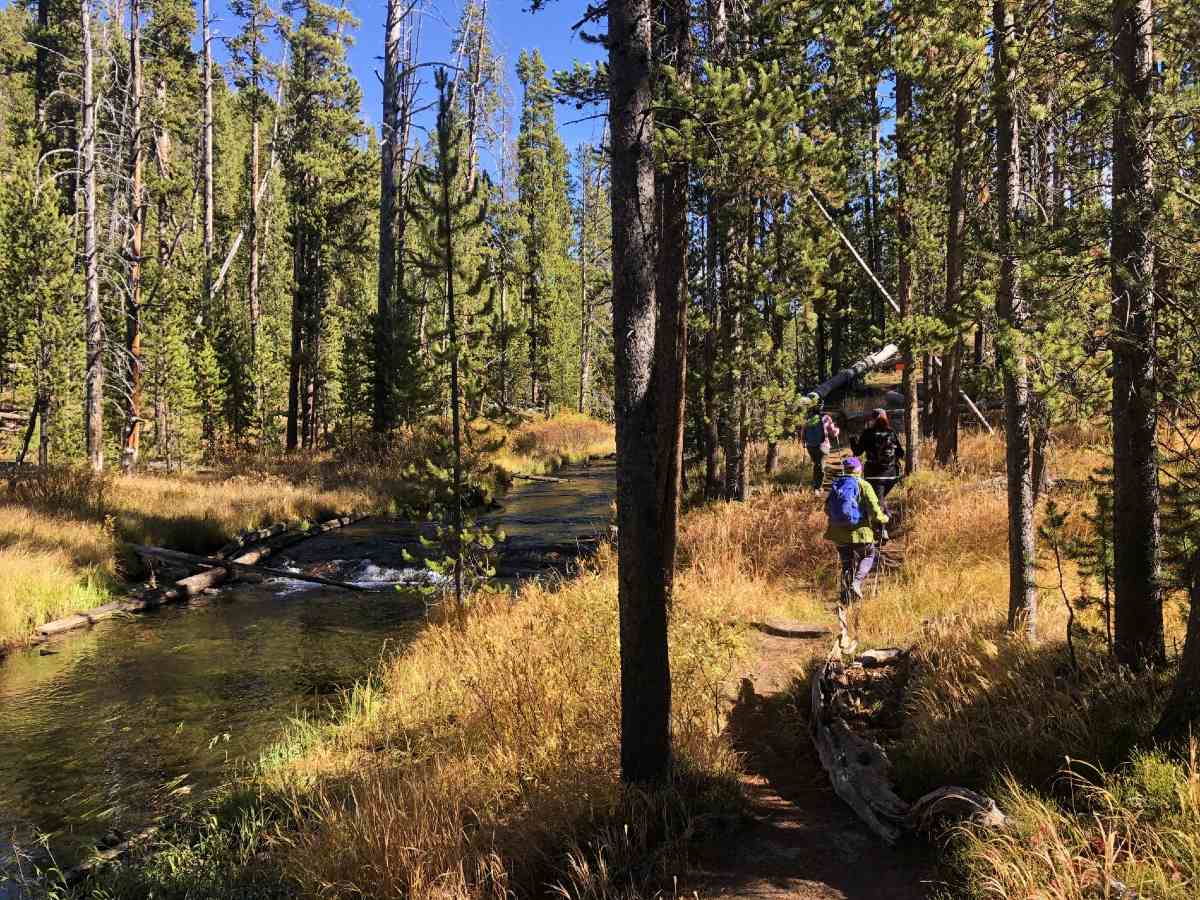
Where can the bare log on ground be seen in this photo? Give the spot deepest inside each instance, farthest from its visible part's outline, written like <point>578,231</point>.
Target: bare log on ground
<point>859,768</point>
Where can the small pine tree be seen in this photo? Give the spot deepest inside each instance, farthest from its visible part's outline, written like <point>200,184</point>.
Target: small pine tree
<point>450,211</point>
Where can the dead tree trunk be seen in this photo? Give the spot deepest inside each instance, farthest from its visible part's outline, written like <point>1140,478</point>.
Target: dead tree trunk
<point>671,292</point>
<point>384,418</point>
<point>1022,597</point>
<point>94,373</point>
<point>947,425</point>
<point>904,237</point>
<point>642,572</point>
<point>137,217</point>
<point>1138,594</point>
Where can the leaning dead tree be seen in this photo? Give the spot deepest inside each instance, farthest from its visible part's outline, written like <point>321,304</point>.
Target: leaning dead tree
<point>849,375</point>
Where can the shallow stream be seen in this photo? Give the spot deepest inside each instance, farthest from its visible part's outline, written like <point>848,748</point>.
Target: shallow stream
<point>98,728</point>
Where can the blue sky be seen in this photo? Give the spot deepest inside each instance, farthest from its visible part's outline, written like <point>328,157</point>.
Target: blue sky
<point>514,28</point>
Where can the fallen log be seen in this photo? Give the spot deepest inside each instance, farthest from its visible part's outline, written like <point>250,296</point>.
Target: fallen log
<point>847,376</point>
<point>859,769</point>
<point>208,562</point>
<point>544,478</point>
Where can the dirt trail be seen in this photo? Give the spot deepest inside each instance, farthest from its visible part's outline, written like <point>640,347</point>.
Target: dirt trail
<point>801,841</point>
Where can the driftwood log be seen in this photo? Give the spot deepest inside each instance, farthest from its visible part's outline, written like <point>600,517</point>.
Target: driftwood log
<point>237,565</point>
<point>859,768</point>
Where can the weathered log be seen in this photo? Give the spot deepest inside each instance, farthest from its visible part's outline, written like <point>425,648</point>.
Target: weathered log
<point>208,562</point>
<point>545,478</point>
<point>876,659</point>
<point>860,770</point>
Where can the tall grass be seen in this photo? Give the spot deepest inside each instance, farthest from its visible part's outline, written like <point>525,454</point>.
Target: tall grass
<point>537,446</point>
<point>1130,832</point>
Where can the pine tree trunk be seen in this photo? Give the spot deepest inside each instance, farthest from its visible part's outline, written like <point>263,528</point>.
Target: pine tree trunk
<point>642,572</point>
<point>711,433</point>
<point>876,244</point>
<point>137,214</point>
<point>208,413</point>
<point>94,373</point>
<point>671,292</point>
<point>1022,597</point>
<point>585,307</point>
<point>1181,716</point>
<point>1138,594</point>
<point>947,425</point>
<point>904,238</point>
<point>384,419</point>
<point>255,258</point>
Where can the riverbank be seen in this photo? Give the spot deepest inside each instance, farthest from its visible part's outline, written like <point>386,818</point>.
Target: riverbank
<point>62,531</point>
<point>483,759</point>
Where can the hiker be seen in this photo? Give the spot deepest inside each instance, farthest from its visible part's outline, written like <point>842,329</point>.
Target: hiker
<point>880,448</point>
<point>855,522</point>
<point>819,434</point>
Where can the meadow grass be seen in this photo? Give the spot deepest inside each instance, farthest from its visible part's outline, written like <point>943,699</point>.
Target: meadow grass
<point>481,761</point>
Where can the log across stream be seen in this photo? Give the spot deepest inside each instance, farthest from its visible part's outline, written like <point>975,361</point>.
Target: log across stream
<point>101,726</point>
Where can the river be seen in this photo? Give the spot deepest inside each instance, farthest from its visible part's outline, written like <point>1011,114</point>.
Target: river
<point>98,728</point>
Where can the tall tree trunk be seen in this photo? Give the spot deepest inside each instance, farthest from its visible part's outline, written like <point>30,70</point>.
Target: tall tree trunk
<point>298,344</point>
<point>585,307</point>
<point>671,292</point>
<point>137,217</point>
<point>712,300</point>
<point>949,385</point>
<point>1181,716</point>
<point>904,237</point>
<point>94,373</point>
<point>642,572</point>
<point>384,418</point>
<point>255,257</point>
<point>1022,595</point>
<point>1137,589</point>
<point>876,243</point>
<point>207,413</point>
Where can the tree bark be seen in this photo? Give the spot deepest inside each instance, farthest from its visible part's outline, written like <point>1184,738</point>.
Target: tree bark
<point>1136,578</point>
<point>642,571</point>
<point>904,237</point>
<point>384,418</point>
<point>1181,716</point>
<point>1022,596</point>
<point>137,216</point>
<point>94,373</point>
<point>585,306</point>
<point>947,425</point>
<point>671,293</point>
<point>207,413</point>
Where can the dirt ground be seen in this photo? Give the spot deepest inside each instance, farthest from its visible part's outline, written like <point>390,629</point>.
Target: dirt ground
<point>799,841</point>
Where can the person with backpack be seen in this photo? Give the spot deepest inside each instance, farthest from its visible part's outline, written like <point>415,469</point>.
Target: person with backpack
<point>856,521</point>
<point>819,435</point>
<point>879,446</point>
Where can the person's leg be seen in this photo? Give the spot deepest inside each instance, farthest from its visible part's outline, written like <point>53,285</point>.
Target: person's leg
<point>849,564</point>
<point>817,455</point>
<point>863,561</point>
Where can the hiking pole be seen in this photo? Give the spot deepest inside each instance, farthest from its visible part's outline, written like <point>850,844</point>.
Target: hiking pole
<point>888,297</point>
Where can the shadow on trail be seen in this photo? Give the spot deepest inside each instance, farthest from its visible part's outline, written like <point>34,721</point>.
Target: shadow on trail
<point>801,841</point>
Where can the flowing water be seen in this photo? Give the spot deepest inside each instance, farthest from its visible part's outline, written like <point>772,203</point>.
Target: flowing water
<point>98,728</point>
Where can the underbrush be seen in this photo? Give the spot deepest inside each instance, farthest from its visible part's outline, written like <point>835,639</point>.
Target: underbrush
<point>1132,831</point>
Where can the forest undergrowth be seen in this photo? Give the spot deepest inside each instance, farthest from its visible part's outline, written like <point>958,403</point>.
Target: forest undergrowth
<point>62,530</point>
<point>481,761</point>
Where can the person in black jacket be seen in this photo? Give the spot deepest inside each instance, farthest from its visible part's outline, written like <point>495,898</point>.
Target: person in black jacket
<point>880,447</point>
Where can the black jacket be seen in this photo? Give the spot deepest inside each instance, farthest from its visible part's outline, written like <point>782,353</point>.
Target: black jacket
<point>882,451</point>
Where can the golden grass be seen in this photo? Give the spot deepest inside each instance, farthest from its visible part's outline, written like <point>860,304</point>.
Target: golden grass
<point>486,760</point>
<point>56,558</point>
<point>538,446</point>
<point>1133,832</point>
